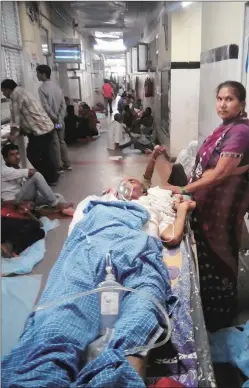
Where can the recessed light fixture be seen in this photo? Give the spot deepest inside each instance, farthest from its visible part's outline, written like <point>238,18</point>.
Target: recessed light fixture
<point>186,3</point>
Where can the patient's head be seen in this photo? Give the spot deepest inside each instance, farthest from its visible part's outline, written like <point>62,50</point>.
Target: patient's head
<point>131,188</point>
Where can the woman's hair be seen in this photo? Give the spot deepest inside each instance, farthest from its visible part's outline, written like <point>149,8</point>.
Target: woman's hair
<point>148,110</point>
<point>239,89</point>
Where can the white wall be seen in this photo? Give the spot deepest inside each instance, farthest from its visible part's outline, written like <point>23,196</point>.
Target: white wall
<point>222,24</point>
<point>185,82</point>
<point>32,48</point>
<point>186,33</point>
<point>185,85</point>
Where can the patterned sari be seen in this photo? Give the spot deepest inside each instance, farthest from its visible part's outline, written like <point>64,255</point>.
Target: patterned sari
<point>217,222</point>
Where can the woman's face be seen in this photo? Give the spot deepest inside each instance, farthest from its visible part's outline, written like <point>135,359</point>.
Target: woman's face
<point>228,105</point>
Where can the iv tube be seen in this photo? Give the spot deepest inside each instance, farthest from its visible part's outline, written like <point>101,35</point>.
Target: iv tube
<point>136,349</point>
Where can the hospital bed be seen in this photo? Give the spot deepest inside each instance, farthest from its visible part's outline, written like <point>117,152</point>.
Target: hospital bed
<point>185,357</point>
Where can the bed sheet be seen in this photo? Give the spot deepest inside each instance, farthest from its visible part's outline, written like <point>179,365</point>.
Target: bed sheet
<point>51,347</point>
<point>178,358</point>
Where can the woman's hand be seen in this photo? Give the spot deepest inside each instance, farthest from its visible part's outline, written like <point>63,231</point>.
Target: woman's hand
<point>174,189</point>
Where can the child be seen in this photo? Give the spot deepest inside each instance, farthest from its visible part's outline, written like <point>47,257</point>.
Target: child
<point>115,133</point>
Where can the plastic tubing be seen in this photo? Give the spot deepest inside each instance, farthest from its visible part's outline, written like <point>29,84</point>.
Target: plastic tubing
<point>136,349</point>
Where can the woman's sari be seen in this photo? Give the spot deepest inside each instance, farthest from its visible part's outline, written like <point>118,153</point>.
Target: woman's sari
<point>217,222</point>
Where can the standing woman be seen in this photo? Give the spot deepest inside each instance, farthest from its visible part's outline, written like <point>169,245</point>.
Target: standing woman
<point>219,184</point>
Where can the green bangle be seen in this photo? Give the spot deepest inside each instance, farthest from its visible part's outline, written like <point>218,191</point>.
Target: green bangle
<point>183,191</point>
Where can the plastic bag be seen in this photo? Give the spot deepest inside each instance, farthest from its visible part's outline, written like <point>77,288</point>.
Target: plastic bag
<point>99,345</point>
<point>187,157</point>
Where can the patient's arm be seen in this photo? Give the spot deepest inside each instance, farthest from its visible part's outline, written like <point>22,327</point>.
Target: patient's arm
<point>172,235</point>
<point>159,150</point>
<point>138,363</point>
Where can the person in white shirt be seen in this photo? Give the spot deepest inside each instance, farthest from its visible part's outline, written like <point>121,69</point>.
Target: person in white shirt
<point>115,133</point>
<point>53,102</point>
<point>28,118</point>
<point>23,184</point>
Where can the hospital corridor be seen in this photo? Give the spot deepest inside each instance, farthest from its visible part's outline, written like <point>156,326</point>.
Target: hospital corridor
<point>124,194</point>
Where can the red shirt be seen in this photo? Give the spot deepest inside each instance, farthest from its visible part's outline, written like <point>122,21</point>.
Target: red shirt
<point>107,91</point>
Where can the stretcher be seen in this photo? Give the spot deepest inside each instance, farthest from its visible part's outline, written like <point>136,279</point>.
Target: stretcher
<point>185,358</point>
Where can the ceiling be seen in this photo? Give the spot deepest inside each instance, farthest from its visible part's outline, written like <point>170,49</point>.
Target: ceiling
<point>127,18</point>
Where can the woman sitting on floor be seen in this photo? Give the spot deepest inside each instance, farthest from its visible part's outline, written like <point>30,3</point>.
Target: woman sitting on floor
<point>88,122</point>
<point>127,117</point>
<point>71,125</point>
<point>146,120</point>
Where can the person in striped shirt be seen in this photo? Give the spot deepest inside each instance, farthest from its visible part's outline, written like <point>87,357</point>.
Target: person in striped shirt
<point>29,118</point>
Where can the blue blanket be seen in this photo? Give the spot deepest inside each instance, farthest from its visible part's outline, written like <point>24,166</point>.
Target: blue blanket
<point>49,353</point>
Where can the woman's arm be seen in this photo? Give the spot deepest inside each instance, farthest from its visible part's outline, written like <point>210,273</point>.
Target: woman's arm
<point>235,172</point>
<point>225,167</point>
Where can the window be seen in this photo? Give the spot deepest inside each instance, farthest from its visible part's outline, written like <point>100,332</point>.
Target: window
<point>11,50</point>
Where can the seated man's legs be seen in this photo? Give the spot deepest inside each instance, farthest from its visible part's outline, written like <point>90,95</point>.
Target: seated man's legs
<point>36,189</point>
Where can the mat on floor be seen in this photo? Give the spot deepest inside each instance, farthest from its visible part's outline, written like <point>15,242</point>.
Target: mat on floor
<point>19,292</point>
<point>24,263</point>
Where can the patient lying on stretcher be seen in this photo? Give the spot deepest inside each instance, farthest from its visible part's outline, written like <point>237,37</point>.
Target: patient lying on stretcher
<point>167,213</point>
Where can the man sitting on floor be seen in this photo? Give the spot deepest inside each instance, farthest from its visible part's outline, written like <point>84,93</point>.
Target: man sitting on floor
<point>23,184</point>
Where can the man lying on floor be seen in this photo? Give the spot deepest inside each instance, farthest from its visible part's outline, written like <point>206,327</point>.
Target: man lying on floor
<point>51,351</point>
<point>167,213</point>
<point>23,184</point>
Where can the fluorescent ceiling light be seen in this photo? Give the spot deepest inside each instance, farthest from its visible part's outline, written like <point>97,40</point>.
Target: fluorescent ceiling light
<point>117,45</point>
<point>111,35</point>
<point>186,3</point>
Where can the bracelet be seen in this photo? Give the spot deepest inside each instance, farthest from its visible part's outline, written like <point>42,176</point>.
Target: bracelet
<point>183,191</point>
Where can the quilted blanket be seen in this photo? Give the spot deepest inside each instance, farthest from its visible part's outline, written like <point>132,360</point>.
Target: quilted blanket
<point>50,352</point>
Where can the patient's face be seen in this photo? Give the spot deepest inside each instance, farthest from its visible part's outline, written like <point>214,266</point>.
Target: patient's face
<point>137,188</point>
